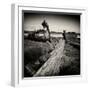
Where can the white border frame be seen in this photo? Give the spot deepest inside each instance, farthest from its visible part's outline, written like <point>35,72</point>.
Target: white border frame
<point>16,41</point>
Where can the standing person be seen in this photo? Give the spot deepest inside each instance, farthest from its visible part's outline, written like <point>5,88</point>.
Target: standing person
<point>64,36</point>
<point>46,26</point>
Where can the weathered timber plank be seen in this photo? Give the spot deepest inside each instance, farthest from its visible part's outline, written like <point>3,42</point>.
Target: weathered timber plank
<point>52,66</point>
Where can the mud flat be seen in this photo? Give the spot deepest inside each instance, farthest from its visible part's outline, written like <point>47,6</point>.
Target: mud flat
<point>57,58</point>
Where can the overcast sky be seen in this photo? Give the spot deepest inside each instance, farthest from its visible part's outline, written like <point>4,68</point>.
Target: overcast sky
<point>58,23</point>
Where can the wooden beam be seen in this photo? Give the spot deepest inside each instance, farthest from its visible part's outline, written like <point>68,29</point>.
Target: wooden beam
<point>52,65</point>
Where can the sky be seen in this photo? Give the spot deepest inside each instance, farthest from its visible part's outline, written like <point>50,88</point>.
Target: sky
<point>57,22</point>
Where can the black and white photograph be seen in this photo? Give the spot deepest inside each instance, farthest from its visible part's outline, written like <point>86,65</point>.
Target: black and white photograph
<point>51,44</point>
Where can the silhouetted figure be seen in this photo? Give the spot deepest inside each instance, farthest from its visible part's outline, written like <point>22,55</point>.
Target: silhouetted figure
<point>64,36</point>
<point>46,26</point>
